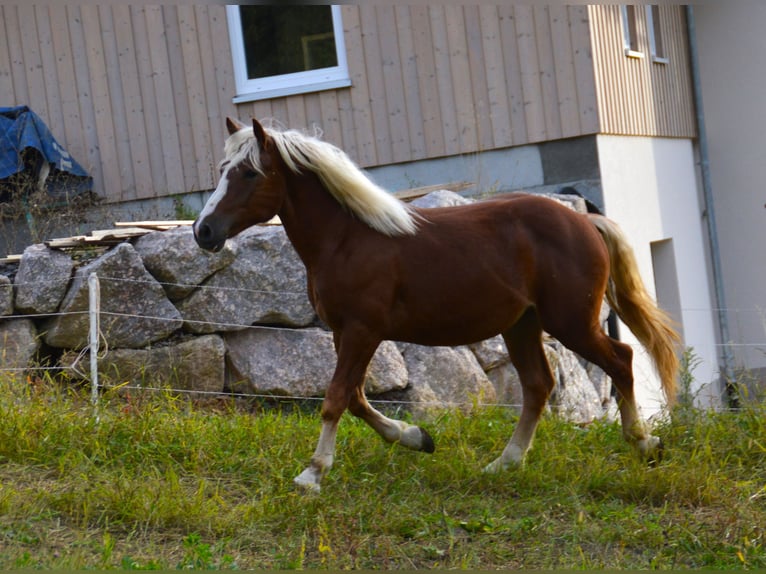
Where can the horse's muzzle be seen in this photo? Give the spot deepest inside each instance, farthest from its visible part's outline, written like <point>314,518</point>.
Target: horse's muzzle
<point>207,237</point>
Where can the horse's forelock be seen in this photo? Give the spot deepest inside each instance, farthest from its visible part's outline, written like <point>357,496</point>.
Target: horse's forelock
<point>241,146</point>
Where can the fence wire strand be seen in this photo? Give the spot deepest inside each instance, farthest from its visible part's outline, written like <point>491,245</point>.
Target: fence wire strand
<point>228,326</point>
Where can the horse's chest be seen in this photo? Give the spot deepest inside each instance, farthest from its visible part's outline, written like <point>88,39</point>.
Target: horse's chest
<point>337,300</point>
<point>326,307</point>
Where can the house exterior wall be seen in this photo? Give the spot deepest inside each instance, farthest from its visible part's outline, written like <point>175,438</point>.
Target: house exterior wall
<point>650,189</point>
<point>730,45</point>
<point>138,94</point>
<point>638,95</point>
<point>433,81</point>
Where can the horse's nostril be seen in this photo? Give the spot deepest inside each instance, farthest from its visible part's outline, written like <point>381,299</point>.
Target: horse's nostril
<point>205,236</point>
<point>203,231</point>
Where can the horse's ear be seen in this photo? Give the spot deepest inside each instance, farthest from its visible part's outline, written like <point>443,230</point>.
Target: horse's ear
<point>260,134</point>
<point>233,125</point>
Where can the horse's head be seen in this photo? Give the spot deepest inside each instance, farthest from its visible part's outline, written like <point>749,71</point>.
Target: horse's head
<point>250,189</point>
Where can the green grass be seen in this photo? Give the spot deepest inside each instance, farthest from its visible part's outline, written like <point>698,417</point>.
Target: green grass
<point>173,483</point>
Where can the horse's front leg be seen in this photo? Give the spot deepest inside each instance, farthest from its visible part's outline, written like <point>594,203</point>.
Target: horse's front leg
<point>391,430</point>
<point>355,350</point>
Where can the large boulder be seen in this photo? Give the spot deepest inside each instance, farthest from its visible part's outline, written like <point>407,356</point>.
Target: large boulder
<point>301,362</point>
<point>175,260</point>
<point>6,296</point>
<point>135,311</point>
<point>505,379</point>
<point>491,353</point>
<point>196,365</point>
<point>266,283</point>
<point>574,397</point>
<point>581,391</point>
<point>601,382</point>
<point>442,377</point>
<point>42,279</point>
<point>493,358</point>
<point>440,198</point>
<point>573,202</point>
<point>19,342</point>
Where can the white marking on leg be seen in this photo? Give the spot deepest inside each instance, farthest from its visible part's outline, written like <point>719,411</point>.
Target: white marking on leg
<point>513,455</point>
<point>309,479</point>
<point>633,427</point>
<point>322,459</point>
<point>393,430</point>
<point>636,432</point>
<point>650,446</point>
<point>521,439</point>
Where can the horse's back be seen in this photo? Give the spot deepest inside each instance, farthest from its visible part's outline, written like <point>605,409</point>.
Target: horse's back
<point>471,270</point>
<point>534,221</point>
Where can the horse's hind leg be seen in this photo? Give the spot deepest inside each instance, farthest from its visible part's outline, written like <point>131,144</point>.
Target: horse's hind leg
<point>525,346</point>
<point>615,358</point>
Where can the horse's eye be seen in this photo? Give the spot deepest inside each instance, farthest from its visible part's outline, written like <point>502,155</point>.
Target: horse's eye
<point>249,174</point>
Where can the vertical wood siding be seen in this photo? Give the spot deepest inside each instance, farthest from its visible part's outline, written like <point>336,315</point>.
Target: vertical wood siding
<point>138,94</point>
<point>637,96</point>
<point>430,81</point>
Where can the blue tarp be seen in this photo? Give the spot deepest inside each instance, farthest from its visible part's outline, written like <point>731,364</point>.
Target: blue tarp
<point>21,129</point>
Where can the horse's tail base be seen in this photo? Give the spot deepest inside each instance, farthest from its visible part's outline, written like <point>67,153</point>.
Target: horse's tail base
<point>628,297</point>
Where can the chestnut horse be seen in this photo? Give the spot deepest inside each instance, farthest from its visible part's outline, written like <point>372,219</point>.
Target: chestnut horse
<point>379,269</point>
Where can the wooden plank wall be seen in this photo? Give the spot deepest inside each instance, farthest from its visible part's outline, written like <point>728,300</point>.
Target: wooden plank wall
<point>138,94</point>
<point>637,96</point>
<point>431,81</point>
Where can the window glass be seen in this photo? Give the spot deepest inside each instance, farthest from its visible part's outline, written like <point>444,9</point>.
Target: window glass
<point>287,39</point>
<point>630,29</point>
<point>655,33</point>
<point>280,50</point>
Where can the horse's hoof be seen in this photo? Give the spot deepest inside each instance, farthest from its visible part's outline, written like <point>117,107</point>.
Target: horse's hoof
<point>312,487</point>
<point>655,457</point>
<point>427,443</point>
<point>651,450</point>
<point>494,467</point>
<point>308,480</point>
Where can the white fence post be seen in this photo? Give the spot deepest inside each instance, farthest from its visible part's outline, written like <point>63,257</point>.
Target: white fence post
<point>94,310</point>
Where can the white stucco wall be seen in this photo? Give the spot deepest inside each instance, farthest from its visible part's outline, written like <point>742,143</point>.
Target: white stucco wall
<point>733,83</point>
<point>650,189</point>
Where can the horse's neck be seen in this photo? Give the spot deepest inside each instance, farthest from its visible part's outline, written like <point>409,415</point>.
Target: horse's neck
<point>313,219</point>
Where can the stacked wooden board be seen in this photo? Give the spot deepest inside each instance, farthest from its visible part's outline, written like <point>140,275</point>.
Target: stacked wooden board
<point>124,230</point>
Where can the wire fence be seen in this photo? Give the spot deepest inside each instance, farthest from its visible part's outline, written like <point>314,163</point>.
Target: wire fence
<point>97,347</point>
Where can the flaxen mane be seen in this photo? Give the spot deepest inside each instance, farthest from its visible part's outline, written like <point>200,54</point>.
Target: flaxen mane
<point>337,172</point>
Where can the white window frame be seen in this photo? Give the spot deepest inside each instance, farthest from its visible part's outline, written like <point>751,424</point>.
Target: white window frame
<point>249,90</point>
<point>630,40</point>
<point>650,26</point>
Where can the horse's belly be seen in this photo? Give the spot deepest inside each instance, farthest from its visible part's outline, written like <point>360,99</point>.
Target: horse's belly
<point>457,322</point>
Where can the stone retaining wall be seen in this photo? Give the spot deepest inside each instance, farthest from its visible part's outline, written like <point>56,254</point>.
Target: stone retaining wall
<point>239,320</point>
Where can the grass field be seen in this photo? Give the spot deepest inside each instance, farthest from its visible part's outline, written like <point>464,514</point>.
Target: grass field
<point>172,483</point>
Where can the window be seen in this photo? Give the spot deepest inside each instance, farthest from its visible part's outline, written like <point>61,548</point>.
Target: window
<point>285,49</point>
<point>630,31</point>
<point>655,34</point>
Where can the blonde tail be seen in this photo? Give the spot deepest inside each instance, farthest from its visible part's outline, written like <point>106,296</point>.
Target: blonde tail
<point>629,299</point>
